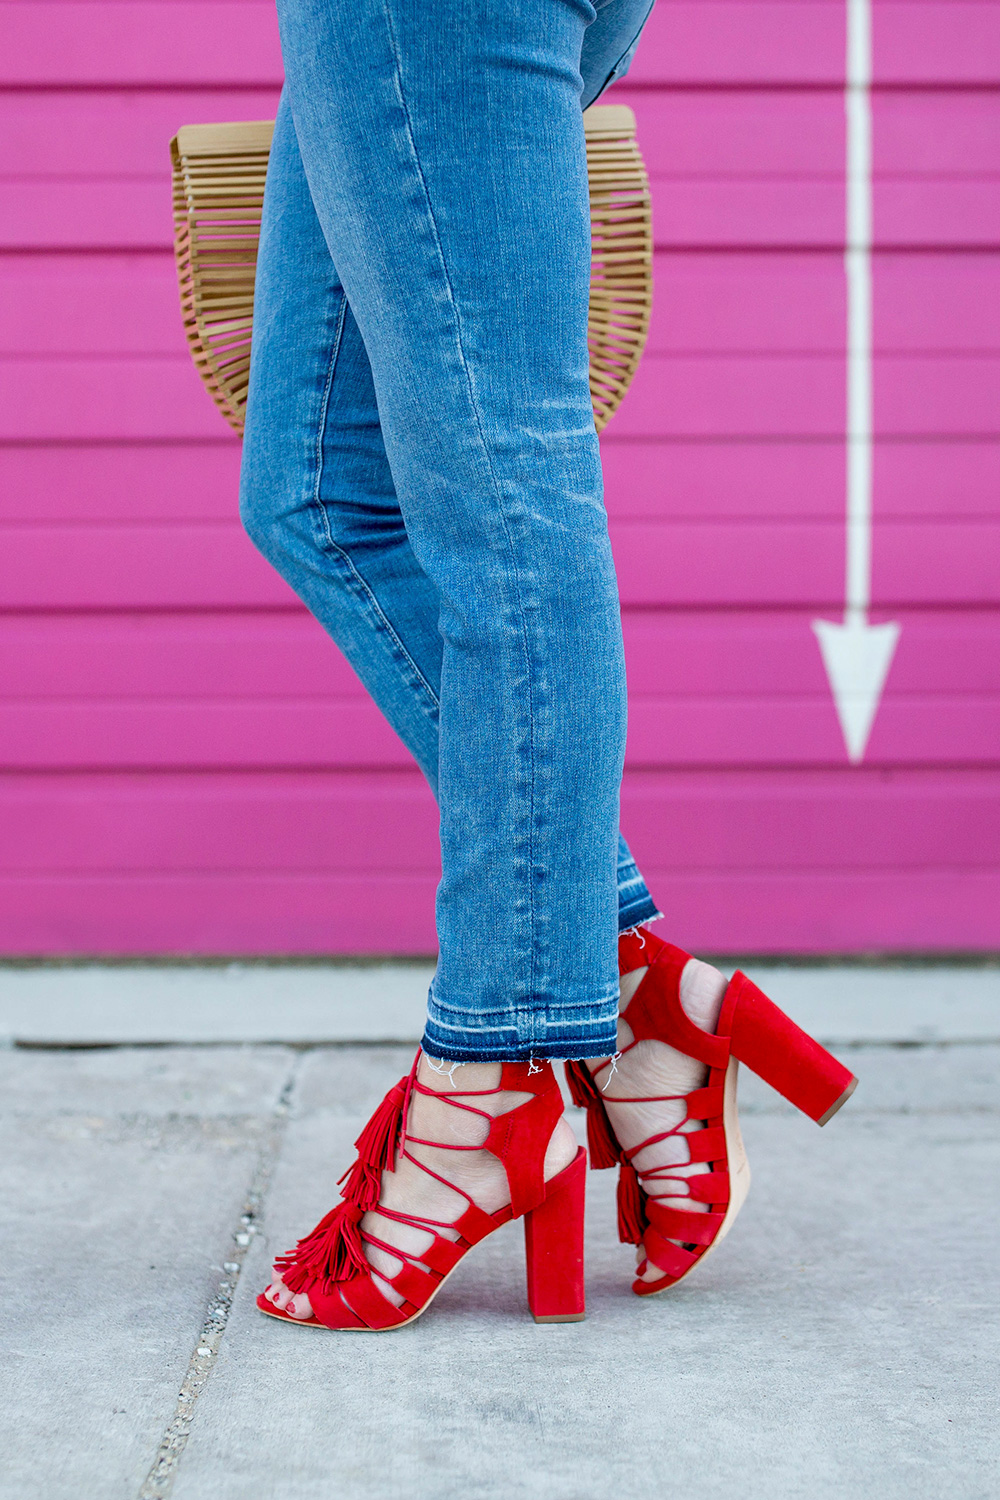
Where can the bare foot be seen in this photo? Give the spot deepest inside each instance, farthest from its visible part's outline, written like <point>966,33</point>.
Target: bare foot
<point>411,1191</point>
<point>653,1068</point>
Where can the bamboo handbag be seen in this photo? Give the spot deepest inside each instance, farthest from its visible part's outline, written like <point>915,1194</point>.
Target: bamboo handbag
<point>218,190</point>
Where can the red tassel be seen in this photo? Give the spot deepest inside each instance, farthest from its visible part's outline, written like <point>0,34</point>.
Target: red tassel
<point>377,1146</point>
<point>581,1085</point>
<point>604,1148</point>
<point>334,1251</point>
<point>632,1220</point>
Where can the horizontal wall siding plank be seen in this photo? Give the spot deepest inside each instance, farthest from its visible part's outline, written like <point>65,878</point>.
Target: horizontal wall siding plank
<point>136,566</point>
<point>711,302</point>
<point>180,43</point>
<point>955,563</point>
<point>328,821</point>
<point>106,213</point>
<point>271,913</point>
<point>764,480</point>
<point>269,657</point>
<point>950,43</point>
<point>786,395</point>
<point>121,134</point>
<point>786,302</point>
<point>112,133</point>
<point>643,479</point>
<point>760,42</point>
<point>922,133</point>
<point>787,212</point>
<point>676,563</point>
<point>99,482</point>
<point>351,734</point>
<point>724,912</point>
<point>83,43</point>
<point>764,395</point>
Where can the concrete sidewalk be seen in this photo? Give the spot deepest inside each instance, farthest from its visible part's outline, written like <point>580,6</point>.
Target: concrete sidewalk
<point>841,1342</point>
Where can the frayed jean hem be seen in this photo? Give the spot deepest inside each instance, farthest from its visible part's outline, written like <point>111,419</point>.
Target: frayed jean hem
<point>564,1050</point>
<point>635,913</point>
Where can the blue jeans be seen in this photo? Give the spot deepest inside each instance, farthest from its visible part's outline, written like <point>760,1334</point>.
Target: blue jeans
<point>421,465</point>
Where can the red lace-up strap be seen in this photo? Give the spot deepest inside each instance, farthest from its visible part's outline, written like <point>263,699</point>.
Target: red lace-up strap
<point>655,1013</point>
<point>637,1209</point>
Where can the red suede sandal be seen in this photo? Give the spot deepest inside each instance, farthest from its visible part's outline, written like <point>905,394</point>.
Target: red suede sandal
<point>751,1029</point>
<point>330,1265</point>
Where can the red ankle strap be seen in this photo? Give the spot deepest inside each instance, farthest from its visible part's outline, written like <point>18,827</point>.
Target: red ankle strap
<point>635,949</point>
<point>520,1137</point>
<point>655,1011</point>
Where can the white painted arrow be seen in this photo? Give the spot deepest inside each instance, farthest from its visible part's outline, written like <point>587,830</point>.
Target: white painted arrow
<point>857,655</point>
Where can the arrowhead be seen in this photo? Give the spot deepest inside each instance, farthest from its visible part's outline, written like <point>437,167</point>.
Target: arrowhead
<point>857,659</point>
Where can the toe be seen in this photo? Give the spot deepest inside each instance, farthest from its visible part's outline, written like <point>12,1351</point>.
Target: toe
<point>299,1307</point>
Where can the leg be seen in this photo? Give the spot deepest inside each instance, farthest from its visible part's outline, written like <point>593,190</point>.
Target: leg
<point>504,515</point>
<point>317,495</point>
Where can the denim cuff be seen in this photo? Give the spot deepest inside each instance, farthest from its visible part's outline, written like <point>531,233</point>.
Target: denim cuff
<point>638,911</point>
<point>530,1031</point>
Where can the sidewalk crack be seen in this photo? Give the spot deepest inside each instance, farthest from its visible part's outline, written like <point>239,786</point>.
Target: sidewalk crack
<point>163,1472</point>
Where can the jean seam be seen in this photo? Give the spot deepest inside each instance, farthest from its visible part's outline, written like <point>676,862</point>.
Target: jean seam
<point>411,141</point>
<point>361,585</point>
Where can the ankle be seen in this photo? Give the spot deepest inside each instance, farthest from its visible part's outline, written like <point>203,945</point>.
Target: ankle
<point>446,1077</point>
<point>702,990</point>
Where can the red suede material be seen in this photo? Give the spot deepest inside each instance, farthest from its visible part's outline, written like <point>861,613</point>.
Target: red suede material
<point>671,1259</point>
<point>706,1103</point>
<point>602,1143</point>
<point>527,1077</point>
<point>655,1012</point>
<point>364,1298</point>
<point>475,1224</point>
<point>706,1145</point>
<point>780,1052</point>
<point>707,1187</point>
<point>330,1310</point>
<point>415,1285</point>
<point>443,1255</point>
<point>553,1243</point>
<point>675,1224</point>
<point>634,950</point>
<point>519,1139</point>
<point>350,1298</point>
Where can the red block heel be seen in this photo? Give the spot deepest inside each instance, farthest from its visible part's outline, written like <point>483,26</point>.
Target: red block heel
<point>751,1029</point>
<point>781,1053</point>
<point>330,1264</point>
<point>553,1248</point>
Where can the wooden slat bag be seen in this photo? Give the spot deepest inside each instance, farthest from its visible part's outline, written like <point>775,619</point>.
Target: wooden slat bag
<point>218,182</point>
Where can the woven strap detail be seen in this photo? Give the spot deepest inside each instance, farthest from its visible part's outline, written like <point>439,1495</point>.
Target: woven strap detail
<point>415,1285</point>
<point>443,1255</point>
<point>367,1303</point>
<point>706,1145</point>
<point>680,1224</point>
<point>671,1259</point>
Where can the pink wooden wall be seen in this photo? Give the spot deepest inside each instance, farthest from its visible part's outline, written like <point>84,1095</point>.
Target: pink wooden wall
<point>188,764</point>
